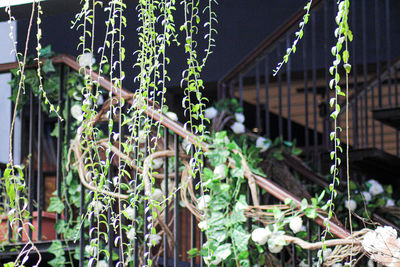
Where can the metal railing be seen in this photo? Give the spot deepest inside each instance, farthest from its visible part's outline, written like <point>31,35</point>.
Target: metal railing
<point>184,228</point>
<point>294,104</point>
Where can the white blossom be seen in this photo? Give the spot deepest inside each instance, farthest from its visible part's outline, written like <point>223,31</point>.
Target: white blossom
<point>390,202</point>
<point>353,204</point>
<point>208,260</point>
<point>97,206</point>
<point>186,145</point>
<point>155,239</point>
<point>382,244</point>
<point>157,163</point>
<point>203,202</point>
<point>367,196</point>
<point>338,264</point>
<point>238,128</point>
<point>131,234</point>
<point>263,143</point>
<point>172,115</point>
<point>100,99</point>
<point>375,189</point>
<point>220,171</point>
<point>275,248</point>
<point>142,136</point>
<point>239,117</point>
<point>157,195</point>
<point>130,213</point>
<point>261,235</point>
<point>91,250</point>
<point>76,112</point>
<point>202,225</point>
<point>86,60</point>
<point>102,263</point>
<point>295,224</point>
<point>210,113</point>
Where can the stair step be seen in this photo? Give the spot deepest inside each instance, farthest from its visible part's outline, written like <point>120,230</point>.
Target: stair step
<point>388,116</point>
<point>376,163</point>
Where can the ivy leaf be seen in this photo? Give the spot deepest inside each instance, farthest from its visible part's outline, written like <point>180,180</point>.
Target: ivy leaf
<point>48,67</point>
<point>223,251</point>
<point>56,205</point>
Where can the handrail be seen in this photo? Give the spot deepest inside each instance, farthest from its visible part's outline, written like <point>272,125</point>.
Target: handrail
<point>266,44</point>
<point>178,128</point>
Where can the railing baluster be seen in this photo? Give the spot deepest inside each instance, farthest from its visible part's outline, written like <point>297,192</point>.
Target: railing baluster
<point>67,133</point>
<point>40,171</point>
<point>267,118</point>
<point>241,89</point>
<point>192,221</point>
<point>166,143</point>
<point>288,81</point>
<point>327,31</point>
<point>176,205</point>
<point>305,77</point>
<point>258,108</point>
<point>378,63</point>
<point>280,122</point>
<point>31,160</point>
<point>81,234</point>
<point>314,85</point>
<point>59,140</point>
<point>365,68</point>
<point>388,54</point>
<point>354,123</point>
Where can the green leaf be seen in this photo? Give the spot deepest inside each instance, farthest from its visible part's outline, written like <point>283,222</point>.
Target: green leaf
<point>56,205</point>
<point>48,67</point>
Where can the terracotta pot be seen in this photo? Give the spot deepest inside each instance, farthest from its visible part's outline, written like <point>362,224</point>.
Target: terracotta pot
<point>48,230</point>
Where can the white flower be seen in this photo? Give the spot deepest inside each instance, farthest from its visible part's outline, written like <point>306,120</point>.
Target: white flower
<point>130,213</point>
<point>186,145</point>
<point>261,235</point>
<point>155,239</point>
<point>102,263</point>
<point>382,244</point>
<point>157,195</point>
<point>338,264</point>
<point>390,202</point>
<point>326,253</point>
<point>91,250</point>
<point>367,196</point>
<point>275,248</point>
<point>295,224</point>
<point>131,234</point>
<point>172,115</point>
<point>208,260</point>
<point>203,202</point>
<point>171,186</point>
<point>76,112</point>
<point>353,204</point>
<point>202,225</point>
<point>210,113</point>
<point>97,206</point>
<point>86,60</point>
<point>100,99</point>
<point>220,172</point>
<point>157,163</point>
<point>238,128</point>
<point>375,189</point>
<point>142,137</point>
<point>263,143</point>
<point>370,263</point>
<point>239,117</point>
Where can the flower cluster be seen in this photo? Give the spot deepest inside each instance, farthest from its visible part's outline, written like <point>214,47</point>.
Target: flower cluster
<point>383,245</point>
